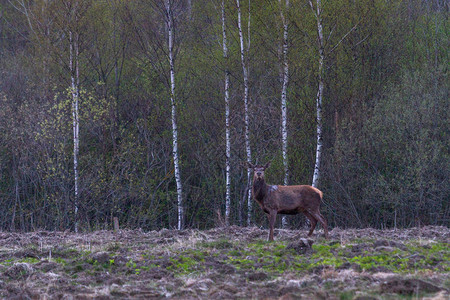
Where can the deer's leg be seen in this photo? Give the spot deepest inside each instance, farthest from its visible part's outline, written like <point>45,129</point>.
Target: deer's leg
<point>325,225</point>
<point>272,218</point>
<point>323,221</point>
<point>313,222</point>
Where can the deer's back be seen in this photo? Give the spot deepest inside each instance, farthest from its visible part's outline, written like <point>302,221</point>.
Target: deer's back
<point>304,196</point>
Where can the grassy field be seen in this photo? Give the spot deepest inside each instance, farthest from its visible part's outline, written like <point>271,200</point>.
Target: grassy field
<point>227,263</point>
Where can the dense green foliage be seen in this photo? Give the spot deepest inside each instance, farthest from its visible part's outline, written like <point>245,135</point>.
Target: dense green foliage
<point>386,111</point>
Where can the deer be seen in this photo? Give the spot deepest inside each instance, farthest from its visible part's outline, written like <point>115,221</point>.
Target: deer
<point>287,200</point>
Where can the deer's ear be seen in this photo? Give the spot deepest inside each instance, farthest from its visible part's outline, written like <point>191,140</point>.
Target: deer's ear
<point>249,165</point>
<point>267,165</point>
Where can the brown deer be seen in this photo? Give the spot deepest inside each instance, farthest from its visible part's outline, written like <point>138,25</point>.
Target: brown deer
<point>288,200</point>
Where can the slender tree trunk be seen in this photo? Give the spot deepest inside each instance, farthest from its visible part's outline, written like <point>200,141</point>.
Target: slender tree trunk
<point>13,218</point>
<point>316,176</point>
<point>74,74</point>
<point>248,39</point>
<point>174,118</point>
<point>249,153</point>
<point>227,121</point>
<point>246,116</point>
<point>284,133</point>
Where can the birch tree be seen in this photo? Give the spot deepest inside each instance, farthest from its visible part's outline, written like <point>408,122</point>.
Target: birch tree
<point>75,83</point>
<point>317,11</point>
<point>318,14</point>
<point>284,133</point>
<point>227,122</point>
<point>246,115</point>
<point>77,11</point>
<point>68,17</point>
<point>170,27</point>
<point>74,10</point>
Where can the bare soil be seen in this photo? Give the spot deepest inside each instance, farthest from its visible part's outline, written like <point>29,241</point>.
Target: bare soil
<point>226,263</point>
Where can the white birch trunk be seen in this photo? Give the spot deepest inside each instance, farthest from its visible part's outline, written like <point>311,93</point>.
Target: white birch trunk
<point>246,116</point>
<point>249,153</point>
<point>284,133</point>
<point>248,38</point>
<point>316,176</point>
<point>74,76</point>
<point>174,119</point>
<point>227,122</point>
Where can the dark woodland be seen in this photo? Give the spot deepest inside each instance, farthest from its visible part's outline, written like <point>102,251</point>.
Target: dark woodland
<point>385,111</point>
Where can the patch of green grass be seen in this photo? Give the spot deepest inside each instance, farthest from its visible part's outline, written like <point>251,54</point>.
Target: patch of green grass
<point>260,244</point>
<point>271,257</point>
<point>197,255</point>
<point>347,295</point>
<point>264,248</point>
<point>242,263</point>
<point>395,263</point>
<point>153,266</point>
<point>8,262</point>
<point>131,264</point>
<point>435,256</point>
<point>325,255</point>
<point>276,258</point>
<point>60,260</point>
<point>184,265</point>
<point>277,264</point>
<point>30,260</point>
<point>323,250</point>
<point>327,261</point>
<point>234,252</point>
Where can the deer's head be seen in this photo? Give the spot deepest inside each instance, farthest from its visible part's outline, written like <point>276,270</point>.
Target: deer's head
<point>258,170</point>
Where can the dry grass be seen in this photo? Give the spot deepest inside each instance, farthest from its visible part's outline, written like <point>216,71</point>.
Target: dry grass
<point>222,263</point>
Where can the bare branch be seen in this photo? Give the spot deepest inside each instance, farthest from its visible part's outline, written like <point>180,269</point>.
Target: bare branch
<point>343,38</point>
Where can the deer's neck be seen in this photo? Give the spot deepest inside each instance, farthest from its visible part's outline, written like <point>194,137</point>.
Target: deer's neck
<point>260,189</point>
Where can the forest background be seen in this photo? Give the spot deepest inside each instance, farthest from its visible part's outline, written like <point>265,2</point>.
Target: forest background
<point>385,111</point>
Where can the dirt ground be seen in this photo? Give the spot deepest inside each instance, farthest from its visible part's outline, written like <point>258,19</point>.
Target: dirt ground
<point>226,263</point>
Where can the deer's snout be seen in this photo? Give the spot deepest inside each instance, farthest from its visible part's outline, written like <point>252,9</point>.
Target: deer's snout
<point>259,174</point>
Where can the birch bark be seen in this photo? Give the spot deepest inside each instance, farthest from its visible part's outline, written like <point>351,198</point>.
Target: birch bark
<point>227,122</point>
<point>284,133</point>
<point>75,81</point>
<point>180,208</point>
<point>246,116</point>
<point>316,176</point>
<point>248,37</point>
